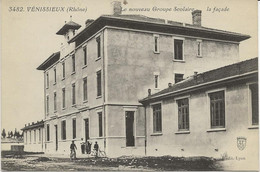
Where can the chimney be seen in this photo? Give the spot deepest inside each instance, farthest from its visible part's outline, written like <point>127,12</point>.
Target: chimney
<point>32,123</point>
<point>169,84</point>
<point>117,9</point>
<point>88,22</point>
<point>28,124</point>
<point>149,92</point>
<point>25,125</point>
<point>195,76</point>
<point>196,17</point>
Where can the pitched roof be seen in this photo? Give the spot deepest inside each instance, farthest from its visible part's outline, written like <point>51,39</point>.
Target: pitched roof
<point>34,125</point>
<point>219,74</point>
<point>67,26</point>
<point>49,61</point>
<point>158,25</point>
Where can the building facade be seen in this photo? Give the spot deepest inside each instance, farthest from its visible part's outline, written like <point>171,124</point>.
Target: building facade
<point>33,137</point>
<point>93,84</point>
<point>213,114</point>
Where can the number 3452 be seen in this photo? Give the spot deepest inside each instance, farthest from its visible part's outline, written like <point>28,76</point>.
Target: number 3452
<point>15,9</point>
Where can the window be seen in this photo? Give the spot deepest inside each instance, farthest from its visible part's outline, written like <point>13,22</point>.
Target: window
<point>199,53</point>
<point>85,55</point>
<point>183,114</point>
<point>47,80</point>
<point>63,70</point>
<point>34,132</point>
<point>178,49</point>
<point>55,101</point>
<point>178,77</point>
<point>156,81</point>
<point>157,118</point>
<point>40,135</point>
<point>48,132</point>
<point>85,89</point>
<point>100,124</point>
<point>217,109</point>
<point>98,47</point>
<point>54,70</point>
<point>73,128</point>
<point>47,105</point>
<point>99,89</point>
<point>254,103</point>
<point>63,98</point>
<point>156,43</point>
<point>63,130</point>
<point>73,94</point>
<point>73,63</point>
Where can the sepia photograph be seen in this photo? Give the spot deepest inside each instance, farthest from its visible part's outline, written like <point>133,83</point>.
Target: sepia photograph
<point>128,85</point>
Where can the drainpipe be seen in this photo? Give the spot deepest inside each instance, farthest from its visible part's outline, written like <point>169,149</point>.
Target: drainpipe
<point>103,84</point>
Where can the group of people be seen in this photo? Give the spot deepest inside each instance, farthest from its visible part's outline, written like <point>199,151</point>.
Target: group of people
<point>84,148</point>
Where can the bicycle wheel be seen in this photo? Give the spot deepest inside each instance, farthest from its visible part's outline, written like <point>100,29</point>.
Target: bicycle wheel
<point>93,153</point>
<point>102,154</point>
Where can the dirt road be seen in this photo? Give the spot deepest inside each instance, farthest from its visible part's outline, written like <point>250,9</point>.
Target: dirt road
<point>41,163</point>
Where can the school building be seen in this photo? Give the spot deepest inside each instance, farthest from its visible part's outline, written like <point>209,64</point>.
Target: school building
<point>93,84</point>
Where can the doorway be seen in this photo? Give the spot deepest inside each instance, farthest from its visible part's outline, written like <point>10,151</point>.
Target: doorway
<point>129,126</point>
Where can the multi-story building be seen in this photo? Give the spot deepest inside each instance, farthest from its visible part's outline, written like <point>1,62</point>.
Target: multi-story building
<point>213,114</point>
<point>93,84</point>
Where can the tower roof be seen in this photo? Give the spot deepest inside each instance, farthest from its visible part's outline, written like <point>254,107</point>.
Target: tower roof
<point>67,26</point>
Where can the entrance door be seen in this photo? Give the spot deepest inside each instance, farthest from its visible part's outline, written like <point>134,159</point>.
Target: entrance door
<point>129,126</point>
<point>86,129</point>
<point>56,136</point>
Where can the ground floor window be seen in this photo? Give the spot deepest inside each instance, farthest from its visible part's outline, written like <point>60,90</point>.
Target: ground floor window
<point>73,128</point>
<point>183,114</point>
<point>157,118</point>
<point>217,109</point>
<point>254,103</point>
<point>63,130</point>
<point>100,124</point>
<point>48,132</point>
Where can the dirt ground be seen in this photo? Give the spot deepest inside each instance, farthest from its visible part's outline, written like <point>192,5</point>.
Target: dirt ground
<point>165,163</point>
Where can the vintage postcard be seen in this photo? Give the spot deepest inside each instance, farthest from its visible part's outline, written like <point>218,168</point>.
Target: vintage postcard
<point>129,85</point>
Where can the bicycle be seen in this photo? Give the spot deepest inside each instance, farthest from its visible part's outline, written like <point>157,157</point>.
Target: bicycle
<point>100,153</point>
<point>72,154</point>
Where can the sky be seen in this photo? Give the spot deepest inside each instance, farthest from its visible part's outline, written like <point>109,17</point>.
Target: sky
<point>28,38</point>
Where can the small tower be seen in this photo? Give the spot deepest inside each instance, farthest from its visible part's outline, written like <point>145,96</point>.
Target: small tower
<point>69,29</point>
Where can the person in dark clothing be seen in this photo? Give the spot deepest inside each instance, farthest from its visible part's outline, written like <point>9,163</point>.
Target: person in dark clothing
<point>96,148</point>
<point>83,148</point>
<point>73,148</point>
<point>88,147</point>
